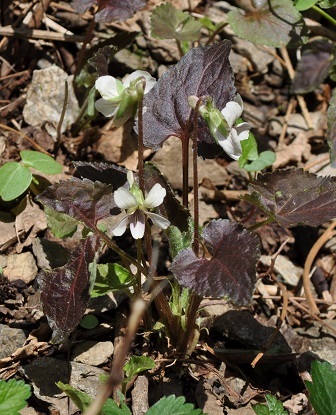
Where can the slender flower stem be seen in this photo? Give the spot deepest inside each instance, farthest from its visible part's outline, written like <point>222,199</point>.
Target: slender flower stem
<point>195,179</point>
<point>185,171</point>
<point>140,140</point>
<point>139,259</point>
<point>179,47</point>
<point>87,39</point>
<point>324,14</point>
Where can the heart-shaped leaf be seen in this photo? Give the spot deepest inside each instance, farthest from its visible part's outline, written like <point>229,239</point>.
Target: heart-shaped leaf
<point>41,162</point>
<point>65,290</point>
<point>276,23</point>
<point>167,22</point>
<point>203,71</point>
<point>294,197</point>
<point>83,200</point>
<point>14,180</point>
<point>110,10</point>
<point>230,273</point>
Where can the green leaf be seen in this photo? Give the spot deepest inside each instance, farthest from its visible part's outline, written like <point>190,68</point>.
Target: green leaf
<point>138,364</point>
<point>274,407</point>
<point>169,405</point>
<point>14,180</point>
<point>326,4</point>
<point>322,390</point>
<point>80,399</point>
<point>302,5</point>
<point>111,408</point>
<point>167,22</point>
<point>60,224</point>
<point>180,240</point>
<point>276,26</point>
<point>265,159</point>
<point>89,322</point>
<point>111,277</point>
<point>41,162</point>
<point>249,150</point>
<point>13,396</point>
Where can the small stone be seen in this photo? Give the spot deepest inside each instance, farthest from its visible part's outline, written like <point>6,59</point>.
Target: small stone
<point>21,267</point>
<point>45,100</point>
<point>10,340</point>
<point>93,353</point>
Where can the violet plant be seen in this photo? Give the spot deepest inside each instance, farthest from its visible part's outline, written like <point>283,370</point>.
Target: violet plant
<point>195,101</point>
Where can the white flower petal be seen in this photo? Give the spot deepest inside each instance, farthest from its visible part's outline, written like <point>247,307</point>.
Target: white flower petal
<point>155,196</point>
<point>159,220</point>
<point>137,224</point>
<point>120,228</point>
<point>107,87</point>
<point>243,130</point>
<point>230,145</point>
<point>124,199</point>
<point>130,177</point>
<point>231,112</point>
<point>150,81</point>
<point>107,108</point>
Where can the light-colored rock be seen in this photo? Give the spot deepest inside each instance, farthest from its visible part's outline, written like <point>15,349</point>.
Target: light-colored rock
<point>92,353</point>
<point>10,340</point>
<point>45,99</point>
<point>21,267</point>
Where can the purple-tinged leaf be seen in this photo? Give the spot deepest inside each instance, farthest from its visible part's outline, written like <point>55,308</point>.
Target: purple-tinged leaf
<point>83,200</point>
<point>331,133</point>
<point>109,174</point>
<point>110,10</point>
<point>294,197</point>
<point>171,208</point>
<point>313,68</point>
<point>230,273</point>
<point>101,59</point>
<point>203,71</point>
<point>65,290</point>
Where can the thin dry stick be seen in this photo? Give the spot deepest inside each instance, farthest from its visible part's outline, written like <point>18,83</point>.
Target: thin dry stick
<point>39,148</point>
<point>328,233</point>
<point>300,99</point>
<point>285,124</point>
<point>312,315</point>
<point>139,306</point>
<point>284,305</point>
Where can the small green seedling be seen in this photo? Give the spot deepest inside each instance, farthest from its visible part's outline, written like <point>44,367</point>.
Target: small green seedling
<point>13,396</point>
<point>15,178</point>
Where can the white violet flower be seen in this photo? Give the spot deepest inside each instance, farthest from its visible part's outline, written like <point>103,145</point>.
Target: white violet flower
<point>137,208</point>
<point>231,143</point>
<point>112,91</point>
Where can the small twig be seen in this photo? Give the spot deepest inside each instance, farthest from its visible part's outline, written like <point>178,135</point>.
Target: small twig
<point>39,148</point>
<point>21,33</point>
<point>284,305</point>
<point>285,124</point>
<point>328,233</point>
<point>300,98</point>
<point>115,378</point>
<point>59,126</point>
<point>312,315</point>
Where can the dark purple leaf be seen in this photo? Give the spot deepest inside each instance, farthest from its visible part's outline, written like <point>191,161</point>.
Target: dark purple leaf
<point>203,71</point>
<point>65,290</point>
<point>230,273</point>
<point>110,10</point>
<point>316,61</point>
<point>83,200</point>
<point>101,59</point>
<point>294,197</point>
<point>171,208</point>
<point>109,174</point>
<point>331,133</point>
